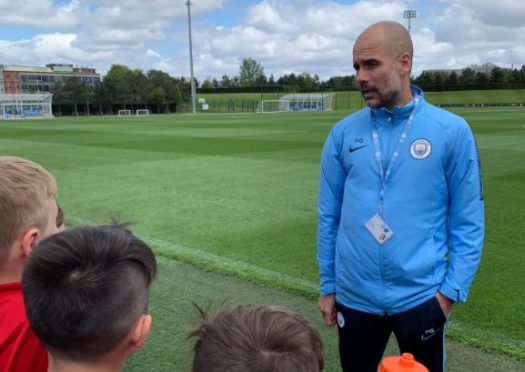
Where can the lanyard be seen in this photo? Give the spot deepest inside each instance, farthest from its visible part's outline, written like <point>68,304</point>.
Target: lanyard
<point>378,154</point>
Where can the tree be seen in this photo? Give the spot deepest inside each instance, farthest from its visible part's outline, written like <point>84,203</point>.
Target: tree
<point>340,82</point>
<point>271,80</point>
<point>250,73</point>
<point>207,84</point>
<point>481,79</point>
<point>226,81</point>
<point>140,88</point>
<point>118,84</point>
<point>98,97</point>
<point>467,76</point>
<point>58,95</point>
<point>425,79</point>
<point>85,95</point>
<point>158,97</point>
<point>290,80</point>
<point>177,96</point>
<point>452,80</point>
<point>496,75</point>
<point>515,76</point>
<point>167,83</point>
<point>439,80</point>
<point>73,89</point>
<point>307,81</point>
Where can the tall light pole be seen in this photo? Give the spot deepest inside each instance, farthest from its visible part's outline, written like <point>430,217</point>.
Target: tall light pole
<point>192,83</point>
<point>409,14</point>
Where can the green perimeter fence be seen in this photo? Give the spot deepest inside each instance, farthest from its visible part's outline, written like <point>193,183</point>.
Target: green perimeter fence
<point>247,102</point>
<point>352,100</point>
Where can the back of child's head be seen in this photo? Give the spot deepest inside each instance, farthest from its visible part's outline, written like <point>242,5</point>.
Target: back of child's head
<point>85,288</point>
<point>26,192</point>
<point>256,339</point>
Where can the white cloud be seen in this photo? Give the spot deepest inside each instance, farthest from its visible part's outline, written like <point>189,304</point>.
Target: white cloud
<point>505,13</point>
<point>313,36</point>
<point>38,13</point>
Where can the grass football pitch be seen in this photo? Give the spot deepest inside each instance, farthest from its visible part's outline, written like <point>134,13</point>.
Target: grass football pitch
<point>237,194</point>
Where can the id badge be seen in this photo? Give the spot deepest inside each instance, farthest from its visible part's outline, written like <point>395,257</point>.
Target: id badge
<point>379,229</point>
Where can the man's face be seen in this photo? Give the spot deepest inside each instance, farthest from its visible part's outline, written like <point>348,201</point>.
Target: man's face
<point>377,74</point>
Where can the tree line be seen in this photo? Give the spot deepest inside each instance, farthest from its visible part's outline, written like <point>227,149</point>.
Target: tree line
<point>251,78</point>
<point>124,88</point>
<point>121,88</point>
<point>472,78</point>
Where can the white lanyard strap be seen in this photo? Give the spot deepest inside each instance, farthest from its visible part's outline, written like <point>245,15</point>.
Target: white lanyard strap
<point>378,153</point>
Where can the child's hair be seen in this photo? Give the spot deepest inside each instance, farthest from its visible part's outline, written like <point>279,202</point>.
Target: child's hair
<point>256,339</point>
<point>26,193</point>
<point>85,288</point>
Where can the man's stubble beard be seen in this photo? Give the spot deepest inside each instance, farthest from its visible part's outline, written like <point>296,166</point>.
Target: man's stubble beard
<point>392,92</point>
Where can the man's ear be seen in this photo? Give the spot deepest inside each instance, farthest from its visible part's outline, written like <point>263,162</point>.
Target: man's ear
<point>29,240</point>
<point>140,331</point>
<point>405,63</point>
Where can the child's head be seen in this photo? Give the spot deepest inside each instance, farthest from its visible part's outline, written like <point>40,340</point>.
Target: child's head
<point>256,339</point>
<point>27,202</point>
<point>86,292</point>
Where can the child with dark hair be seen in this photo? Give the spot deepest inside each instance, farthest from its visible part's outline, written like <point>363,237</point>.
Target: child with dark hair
<point>86,292</point>
<point>256,339</point>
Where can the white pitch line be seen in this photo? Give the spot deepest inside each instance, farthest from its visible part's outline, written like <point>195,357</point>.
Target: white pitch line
<point>237,266</point>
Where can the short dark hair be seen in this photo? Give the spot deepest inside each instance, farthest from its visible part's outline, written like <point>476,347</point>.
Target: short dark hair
<point>256,339</point>
<point>85,288</point>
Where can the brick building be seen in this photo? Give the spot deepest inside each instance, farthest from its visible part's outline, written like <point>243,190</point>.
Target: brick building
<point>34,79</point>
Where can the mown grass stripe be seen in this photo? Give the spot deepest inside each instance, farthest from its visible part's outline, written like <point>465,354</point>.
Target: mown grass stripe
<point>224,265</point>
<point>485,340</point>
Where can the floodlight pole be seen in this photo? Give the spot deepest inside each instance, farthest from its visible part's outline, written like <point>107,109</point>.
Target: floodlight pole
<point>192,82</point>
<point>409,14</point>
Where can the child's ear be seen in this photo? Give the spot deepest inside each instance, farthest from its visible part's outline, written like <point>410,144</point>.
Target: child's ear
<point>140,331</point>
<point>29,240</point>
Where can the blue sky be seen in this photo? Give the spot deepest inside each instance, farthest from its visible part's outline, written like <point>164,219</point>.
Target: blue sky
<point>285,36</point>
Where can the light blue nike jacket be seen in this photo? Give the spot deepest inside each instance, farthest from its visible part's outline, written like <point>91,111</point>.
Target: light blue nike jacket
<point>433,203</point>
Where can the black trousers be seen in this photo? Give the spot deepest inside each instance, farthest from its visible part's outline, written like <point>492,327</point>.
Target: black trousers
<point>419,331</point>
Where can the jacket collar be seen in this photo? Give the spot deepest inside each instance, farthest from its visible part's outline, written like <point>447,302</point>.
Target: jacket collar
<point>400,112</point>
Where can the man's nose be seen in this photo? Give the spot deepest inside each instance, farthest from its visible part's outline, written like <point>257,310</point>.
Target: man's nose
<point>361,76</point>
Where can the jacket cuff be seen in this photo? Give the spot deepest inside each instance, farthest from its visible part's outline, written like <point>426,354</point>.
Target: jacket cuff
<point>327,287</point>
<point>452,291</point>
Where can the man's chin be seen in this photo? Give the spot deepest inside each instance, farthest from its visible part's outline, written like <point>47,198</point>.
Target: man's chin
<point>373,103</point>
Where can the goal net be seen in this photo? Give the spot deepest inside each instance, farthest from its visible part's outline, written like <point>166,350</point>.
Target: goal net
<point>142,112</point>
<point>310,101</point>
<point>279,105</point>
<point>26,106</point>
<point>124,112</point>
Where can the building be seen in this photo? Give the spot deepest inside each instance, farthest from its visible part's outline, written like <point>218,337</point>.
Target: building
<point>34,79</point>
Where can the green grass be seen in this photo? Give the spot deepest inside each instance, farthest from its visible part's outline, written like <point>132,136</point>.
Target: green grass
<point>237,194</point>
<point>477,96</point>
<point>178,285</point>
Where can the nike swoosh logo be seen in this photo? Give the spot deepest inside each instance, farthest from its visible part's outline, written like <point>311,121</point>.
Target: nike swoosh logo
<point>428,335</point>
<point>352,149</point>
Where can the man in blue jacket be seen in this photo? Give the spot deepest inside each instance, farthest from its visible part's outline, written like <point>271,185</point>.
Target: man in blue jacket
<point>401,220</point>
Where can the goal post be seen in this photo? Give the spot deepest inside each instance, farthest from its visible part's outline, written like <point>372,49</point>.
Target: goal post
<point>26,105</point>
<point>310,101</point>
<point>124,113</point>
<point>142,112</point>
<point>277,105</point>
